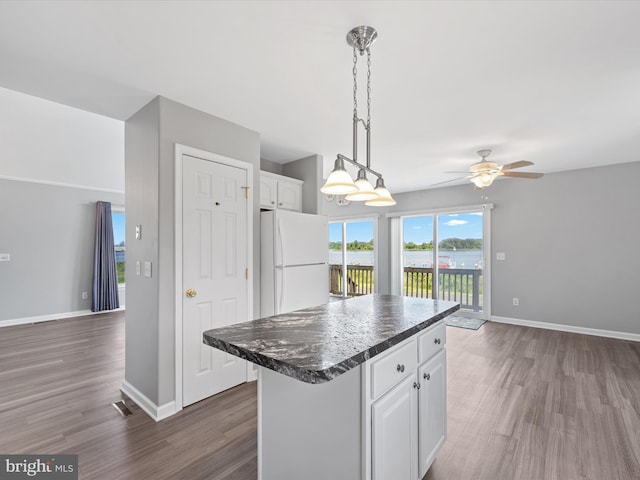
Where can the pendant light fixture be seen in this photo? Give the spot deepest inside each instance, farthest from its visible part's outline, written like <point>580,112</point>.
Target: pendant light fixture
<point>339,181</point>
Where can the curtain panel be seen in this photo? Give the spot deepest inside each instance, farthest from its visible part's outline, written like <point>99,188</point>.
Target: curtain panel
<point>105,277</point>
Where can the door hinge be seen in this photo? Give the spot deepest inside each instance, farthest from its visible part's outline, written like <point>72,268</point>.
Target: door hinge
<point>246,191</point>
<point>246,274</point>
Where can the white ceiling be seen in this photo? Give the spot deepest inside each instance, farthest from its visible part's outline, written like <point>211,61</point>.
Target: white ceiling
<point>556,83</point>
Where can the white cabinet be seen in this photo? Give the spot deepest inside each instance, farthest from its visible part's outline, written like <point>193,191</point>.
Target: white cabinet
<point>394,433</point>
<point>277,191</point>
<point>268,191</point>
<point>432,410</point>
<point>406,394</point>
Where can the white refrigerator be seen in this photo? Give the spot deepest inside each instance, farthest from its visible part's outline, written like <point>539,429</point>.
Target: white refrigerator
<point>294,254</point>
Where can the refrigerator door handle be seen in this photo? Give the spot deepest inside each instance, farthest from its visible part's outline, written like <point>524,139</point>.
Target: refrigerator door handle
<point>279,241</point>
<point>279,288</point>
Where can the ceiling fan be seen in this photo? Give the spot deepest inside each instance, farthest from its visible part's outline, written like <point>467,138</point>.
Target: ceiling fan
<point>483,173</point>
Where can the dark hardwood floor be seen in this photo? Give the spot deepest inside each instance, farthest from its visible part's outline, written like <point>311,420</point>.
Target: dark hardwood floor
<point>523,404</point>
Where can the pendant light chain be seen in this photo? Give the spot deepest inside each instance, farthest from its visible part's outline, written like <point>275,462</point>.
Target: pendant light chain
<point>339,181</point>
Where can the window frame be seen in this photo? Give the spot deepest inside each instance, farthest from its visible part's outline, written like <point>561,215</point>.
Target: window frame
<point>354,219</point>
<point>397,242</point>
<point>121,209</point>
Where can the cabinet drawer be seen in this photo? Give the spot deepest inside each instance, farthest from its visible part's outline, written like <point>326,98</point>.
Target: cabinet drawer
<point>392,368</point>
<point>431,341</point>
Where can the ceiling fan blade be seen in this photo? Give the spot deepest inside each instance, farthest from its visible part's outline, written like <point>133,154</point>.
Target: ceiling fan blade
<point>447,181</point>
<point>521,174</point>
<point>519,164</point>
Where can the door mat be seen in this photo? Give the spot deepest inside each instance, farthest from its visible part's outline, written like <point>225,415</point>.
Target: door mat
<point>464,322</point>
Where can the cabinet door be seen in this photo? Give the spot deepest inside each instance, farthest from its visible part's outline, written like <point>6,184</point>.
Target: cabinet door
<point>394,433</point>
<point>432,409</point>
<point>289,195</point>
<point>268,192</point>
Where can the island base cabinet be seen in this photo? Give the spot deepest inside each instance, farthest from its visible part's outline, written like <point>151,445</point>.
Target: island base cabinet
<point>432,409</point>
<point>385,419</point>
<point>405,390</point>
<point>394,433</point>
<point>309,431</point>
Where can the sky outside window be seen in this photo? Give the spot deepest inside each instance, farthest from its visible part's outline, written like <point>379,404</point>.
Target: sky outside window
<point>118,228</point>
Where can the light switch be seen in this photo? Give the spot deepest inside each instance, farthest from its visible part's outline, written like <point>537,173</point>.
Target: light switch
<point>147,269</point>
<point>5,257</point>
<point>138,267</point>
<point>500,256</point>
<point>138,232</point>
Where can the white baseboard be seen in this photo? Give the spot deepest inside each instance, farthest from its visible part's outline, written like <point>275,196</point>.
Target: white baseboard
<point>568,328</point>
<point>53,316</point>
<point>154,411</point>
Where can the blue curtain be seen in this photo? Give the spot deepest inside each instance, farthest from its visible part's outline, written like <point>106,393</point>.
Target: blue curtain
<point>105,277</point>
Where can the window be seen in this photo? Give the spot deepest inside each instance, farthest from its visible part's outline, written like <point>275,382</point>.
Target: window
<point>443,256</point>
<point>118,218</point>
<point>352,243</point>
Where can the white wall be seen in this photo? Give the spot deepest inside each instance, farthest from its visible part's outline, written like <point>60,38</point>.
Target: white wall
<point>43,140</point>
<point>56,162</point>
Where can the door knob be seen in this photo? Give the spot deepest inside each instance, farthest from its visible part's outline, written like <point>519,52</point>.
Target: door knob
<point>191,293</point>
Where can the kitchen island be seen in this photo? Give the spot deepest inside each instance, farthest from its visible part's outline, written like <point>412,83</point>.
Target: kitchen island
<point>354,389</point>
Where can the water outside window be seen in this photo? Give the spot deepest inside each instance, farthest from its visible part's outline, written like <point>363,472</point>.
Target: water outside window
<point>417,256</point>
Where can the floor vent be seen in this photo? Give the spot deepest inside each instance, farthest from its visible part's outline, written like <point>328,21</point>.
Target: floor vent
<point>122,408</point>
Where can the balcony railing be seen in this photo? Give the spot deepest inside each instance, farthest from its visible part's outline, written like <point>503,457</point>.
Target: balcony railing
<point>462,285</point>
<point>359,280</point>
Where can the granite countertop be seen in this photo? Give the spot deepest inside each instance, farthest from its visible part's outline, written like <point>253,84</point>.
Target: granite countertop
<point>317,344</point>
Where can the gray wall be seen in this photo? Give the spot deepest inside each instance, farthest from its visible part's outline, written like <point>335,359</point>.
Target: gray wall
<point>49,232</point>
<point>309,170</point>
<point>142,138</point>
<point>150,137</point>
<point>269,166</point>
<point>570,241</point>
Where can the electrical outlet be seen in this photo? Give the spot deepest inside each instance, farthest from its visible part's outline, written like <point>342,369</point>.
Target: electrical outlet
<point>5,257</point>
<point>516,302</point>
<point>500,256</point>
<point>85,295</point>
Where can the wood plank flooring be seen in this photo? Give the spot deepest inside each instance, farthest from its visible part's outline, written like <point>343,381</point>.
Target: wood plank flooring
<point>58,381</point>
<point>527,403</point>
<point>523,404</point>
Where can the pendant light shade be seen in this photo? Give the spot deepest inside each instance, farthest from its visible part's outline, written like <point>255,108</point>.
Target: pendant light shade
<point>339,181</point>
<point>365,189</point>
<point>384,196</point>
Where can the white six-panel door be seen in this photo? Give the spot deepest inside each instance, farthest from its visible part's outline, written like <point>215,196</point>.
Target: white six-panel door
<point>214,273</point>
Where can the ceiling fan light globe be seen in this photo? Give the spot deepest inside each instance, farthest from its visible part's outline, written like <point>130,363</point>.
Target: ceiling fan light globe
<point>483,180</point>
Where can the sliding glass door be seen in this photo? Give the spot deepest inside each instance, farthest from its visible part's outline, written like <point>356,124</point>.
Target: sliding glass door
<point>351,244</point>
<point>443,256</point>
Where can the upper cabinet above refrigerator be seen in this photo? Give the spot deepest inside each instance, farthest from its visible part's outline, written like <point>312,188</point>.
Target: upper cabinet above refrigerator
<point>280,192</point>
